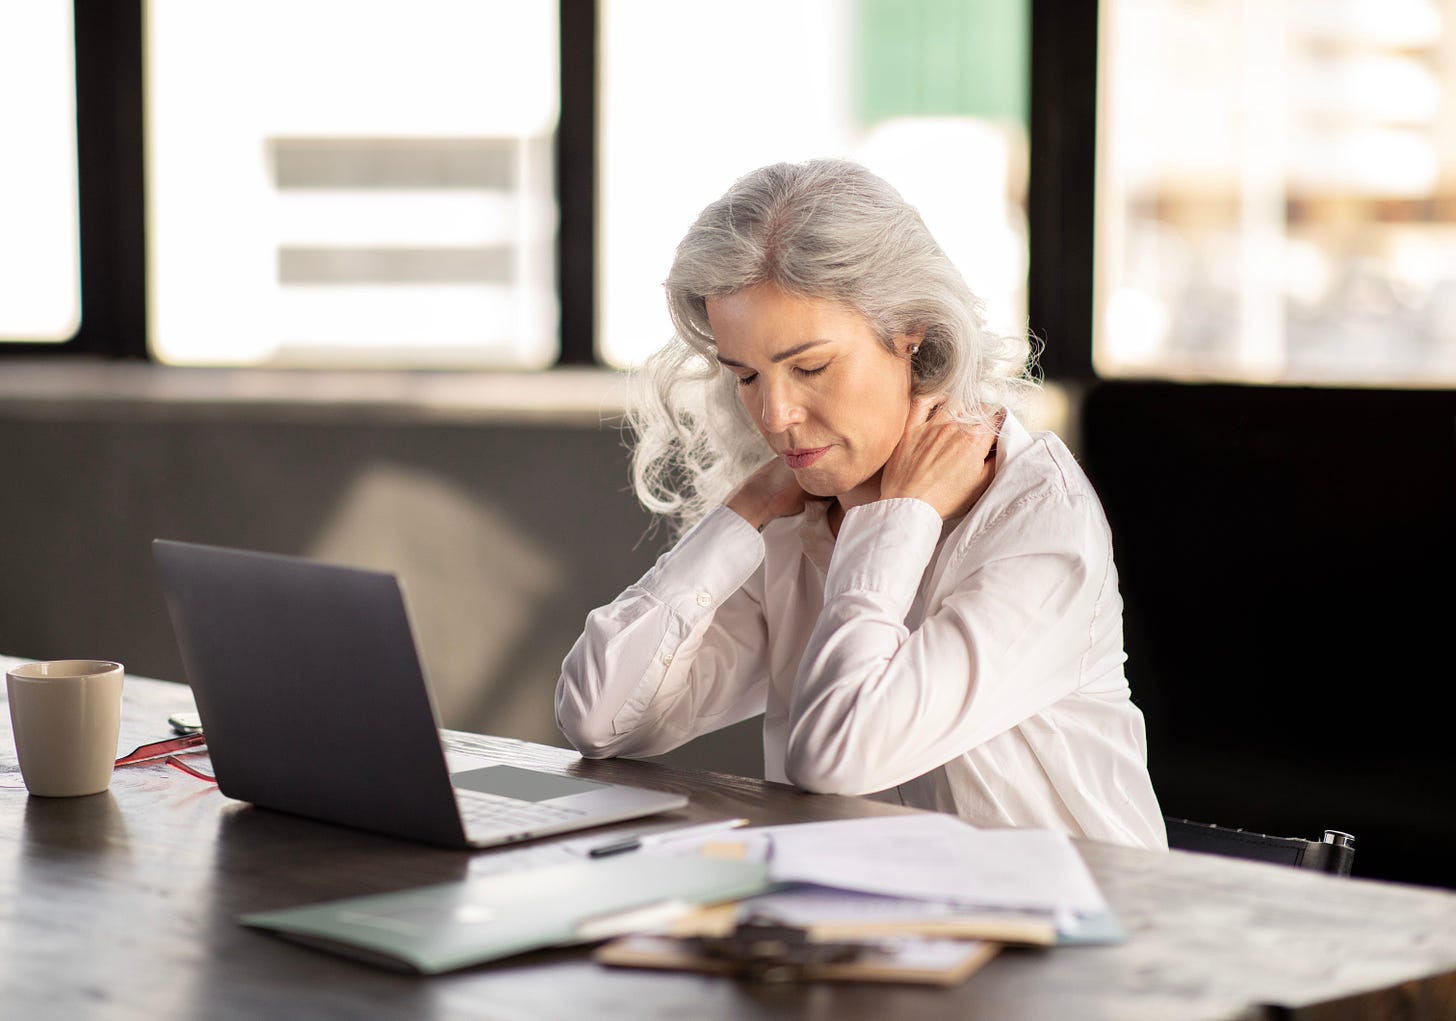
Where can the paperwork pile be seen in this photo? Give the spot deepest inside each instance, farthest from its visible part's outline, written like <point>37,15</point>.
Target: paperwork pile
<point>923,898</point>
<point>928,873</point>
<point>919,898</point>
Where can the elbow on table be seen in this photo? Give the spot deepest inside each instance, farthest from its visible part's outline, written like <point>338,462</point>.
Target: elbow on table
<point>812,766</point>
<point>592,736</point>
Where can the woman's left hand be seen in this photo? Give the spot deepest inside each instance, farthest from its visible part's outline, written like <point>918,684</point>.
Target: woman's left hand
<point>946,463</point>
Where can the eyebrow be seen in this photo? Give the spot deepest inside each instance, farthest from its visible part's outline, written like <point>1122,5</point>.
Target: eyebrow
<point>797,349</point>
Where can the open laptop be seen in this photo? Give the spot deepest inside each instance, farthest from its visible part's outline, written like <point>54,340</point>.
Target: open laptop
<point>313,699</point>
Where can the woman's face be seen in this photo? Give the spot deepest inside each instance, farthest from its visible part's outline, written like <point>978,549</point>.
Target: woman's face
<point>828,397</point>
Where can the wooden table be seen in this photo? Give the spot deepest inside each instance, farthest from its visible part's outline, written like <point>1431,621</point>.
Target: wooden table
<point>123,905</point>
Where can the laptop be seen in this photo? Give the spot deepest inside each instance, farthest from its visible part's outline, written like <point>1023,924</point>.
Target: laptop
<point>314,702</point>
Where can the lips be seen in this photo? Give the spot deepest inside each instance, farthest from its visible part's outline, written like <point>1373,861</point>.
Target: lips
<point>804,456</point>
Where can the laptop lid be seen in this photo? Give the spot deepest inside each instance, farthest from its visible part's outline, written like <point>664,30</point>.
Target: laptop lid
<point>312,696</point>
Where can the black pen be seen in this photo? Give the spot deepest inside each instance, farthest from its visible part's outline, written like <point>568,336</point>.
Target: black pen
<point>662,836</point>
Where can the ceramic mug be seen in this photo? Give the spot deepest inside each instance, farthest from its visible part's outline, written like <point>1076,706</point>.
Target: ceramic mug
<point>66,717</point>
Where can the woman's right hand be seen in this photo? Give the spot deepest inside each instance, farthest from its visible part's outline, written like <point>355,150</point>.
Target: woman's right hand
<point>946,463</point>
<point>770,492</point>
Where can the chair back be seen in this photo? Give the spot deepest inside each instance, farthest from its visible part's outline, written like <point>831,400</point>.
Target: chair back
<point>1335,853</point>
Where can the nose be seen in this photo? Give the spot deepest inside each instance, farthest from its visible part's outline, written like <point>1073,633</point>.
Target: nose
<point>782,407</point>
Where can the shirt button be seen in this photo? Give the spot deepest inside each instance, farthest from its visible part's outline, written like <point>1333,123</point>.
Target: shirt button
<point>704,599</point>
<point>667,659</point>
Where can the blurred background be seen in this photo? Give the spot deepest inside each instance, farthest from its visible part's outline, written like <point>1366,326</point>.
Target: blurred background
<point>364,281</point>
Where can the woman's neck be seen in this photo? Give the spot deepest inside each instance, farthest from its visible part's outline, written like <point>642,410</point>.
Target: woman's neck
<point>867,491</point>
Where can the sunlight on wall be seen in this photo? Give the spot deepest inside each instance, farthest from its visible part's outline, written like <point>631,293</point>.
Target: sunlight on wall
<point>474,585</point>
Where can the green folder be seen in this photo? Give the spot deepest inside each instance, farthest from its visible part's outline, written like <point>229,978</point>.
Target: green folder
<point>439,928</point>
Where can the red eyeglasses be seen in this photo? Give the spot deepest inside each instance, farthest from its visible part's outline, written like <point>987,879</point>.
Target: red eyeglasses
<point>164,749</point>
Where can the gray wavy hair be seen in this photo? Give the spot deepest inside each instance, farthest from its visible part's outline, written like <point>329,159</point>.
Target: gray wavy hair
<point>827,229</point>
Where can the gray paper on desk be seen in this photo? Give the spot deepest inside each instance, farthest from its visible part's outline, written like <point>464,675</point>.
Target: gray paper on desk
<point>453,925</point>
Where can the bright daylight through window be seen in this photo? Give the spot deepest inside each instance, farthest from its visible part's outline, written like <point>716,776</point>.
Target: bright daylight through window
<point>886,82</point>
<point>335,183</point>
<point>345,184</point>
<point>40,271</point>
<point>1275,184</point>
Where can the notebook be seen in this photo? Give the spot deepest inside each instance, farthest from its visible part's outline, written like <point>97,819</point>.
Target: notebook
<point>314,701</point>
<point>447,926</point>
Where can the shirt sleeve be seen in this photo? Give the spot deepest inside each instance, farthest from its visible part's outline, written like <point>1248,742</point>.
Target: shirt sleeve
<point>875,704</point>
<point>680,653</point>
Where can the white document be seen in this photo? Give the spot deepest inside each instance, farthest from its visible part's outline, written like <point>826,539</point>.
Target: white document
<point>805,905</point>
<point>936,857</point>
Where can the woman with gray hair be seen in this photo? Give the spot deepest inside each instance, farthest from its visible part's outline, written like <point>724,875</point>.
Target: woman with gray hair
<point>915,591</point>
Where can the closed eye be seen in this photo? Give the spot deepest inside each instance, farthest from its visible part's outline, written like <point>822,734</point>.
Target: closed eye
<point>752,377</point>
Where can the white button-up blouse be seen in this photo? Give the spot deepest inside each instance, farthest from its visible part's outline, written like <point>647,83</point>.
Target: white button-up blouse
<point>974,665</point>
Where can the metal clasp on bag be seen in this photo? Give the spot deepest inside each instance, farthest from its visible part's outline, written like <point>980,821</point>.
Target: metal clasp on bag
<point>765,951</point>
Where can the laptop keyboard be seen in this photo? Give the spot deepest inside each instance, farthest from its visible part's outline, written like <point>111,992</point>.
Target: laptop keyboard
<point>490,813</point>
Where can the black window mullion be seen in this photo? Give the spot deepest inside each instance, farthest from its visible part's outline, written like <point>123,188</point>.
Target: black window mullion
<point>112,187</point>
<point>576,182</point>
<point>1062,178</point>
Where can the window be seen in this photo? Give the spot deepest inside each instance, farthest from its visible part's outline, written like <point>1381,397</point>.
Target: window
<point>352,184</point>
<point>931,94</point>
<point>1275,191</point>
<point>40,275</point>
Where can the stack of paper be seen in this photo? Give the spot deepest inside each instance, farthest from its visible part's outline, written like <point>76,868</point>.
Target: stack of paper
<point>927,873</point>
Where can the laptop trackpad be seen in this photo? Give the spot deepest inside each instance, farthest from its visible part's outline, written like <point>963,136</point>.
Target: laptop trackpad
<point>522,784</point>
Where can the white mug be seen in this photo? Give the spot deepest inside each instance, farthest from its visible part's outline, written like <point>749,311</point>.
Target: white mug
<point>66,717</point>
